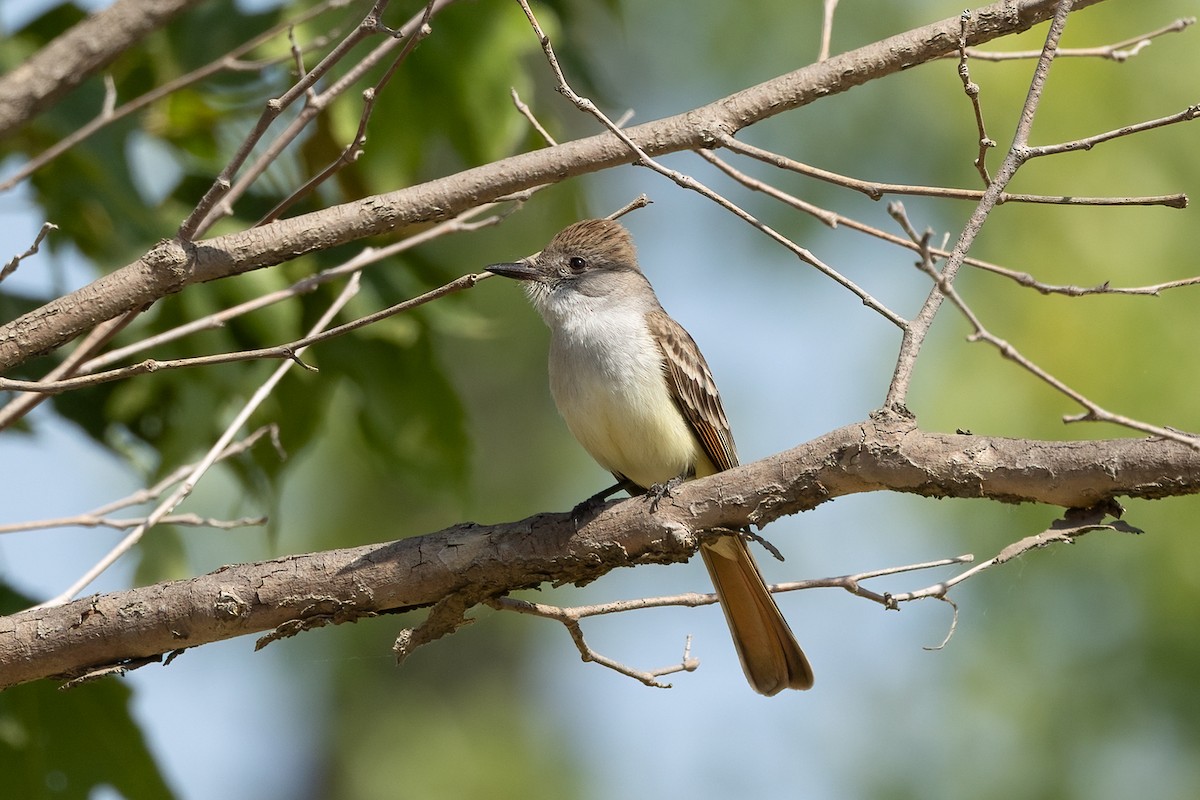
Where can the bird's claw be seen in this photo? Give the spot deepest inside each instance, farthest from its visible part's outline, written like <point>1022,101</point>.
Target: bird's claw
<point>658,491</point>
<point>585,509</point>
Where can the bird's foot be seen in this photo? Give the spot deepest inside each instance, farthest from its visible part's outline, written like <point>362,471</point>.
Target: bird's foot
<point>586,508</point>
<point>658,491</point>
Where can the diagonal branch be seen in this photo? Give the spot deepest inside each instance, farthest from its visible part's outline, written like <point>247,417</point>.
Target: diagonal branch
<point>185,487</point>
<point>230,61</point>
<point>884,453</point>
<point>171,266</point>
<point>49,74</point>
<point>915,333</point>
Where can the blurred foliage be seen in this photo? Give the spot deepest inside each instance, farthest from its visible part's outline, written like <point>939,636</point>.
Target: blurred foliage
<point>66,745</point>
<point>1080,681</point>
<point>378,441</point>
<point>451,85</point>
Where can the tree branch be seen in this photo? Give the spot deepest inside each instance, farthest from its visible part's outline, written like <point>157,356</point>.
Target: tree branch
<point>46,76</point>
<point>172,265</point>
<point>887,452</point>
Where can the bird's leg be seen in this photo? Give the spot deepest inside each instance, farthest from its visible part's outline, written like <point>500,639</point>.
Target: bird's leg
<point>660,490</point>
<point>586,507</point>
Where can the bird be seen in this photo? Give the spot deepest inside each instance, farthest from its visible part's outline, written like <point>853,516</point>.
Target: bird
<point>635,391</point>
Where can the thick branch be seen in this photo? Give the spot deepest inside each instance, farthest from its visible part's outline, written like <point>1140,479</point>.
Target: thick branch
<point>885,453</point>
<point>77,54</point>
<point>171,266</point>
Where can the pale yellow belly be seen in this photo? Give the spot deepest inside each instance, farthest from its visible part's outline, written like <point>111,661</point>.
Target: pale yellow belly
<point>631,426</point>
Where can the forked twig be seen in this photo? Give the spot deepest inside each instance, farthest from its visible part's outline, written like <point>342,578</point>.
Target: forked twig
<point>184,489</point>
<point>32,250</point>
<point>571,617</point>
<point>642,158</point>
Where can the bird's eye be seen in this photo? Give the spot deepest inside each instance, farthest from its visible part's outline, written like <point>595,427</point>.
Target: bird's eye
<point>577,264</point>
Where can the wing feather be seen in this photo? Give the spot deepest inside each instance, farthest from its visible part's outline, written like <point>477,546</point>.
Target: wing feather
<point>693,388</point>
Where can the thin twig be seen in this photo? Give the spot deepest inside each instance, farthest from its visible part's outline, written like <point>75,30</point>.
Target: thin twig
<point>525,112</point>
<point>32,250</point>
<point>89,521</point>
<point>100,516</point>
<point>95,339</point>
<point>220,204</point>
<point>1070,290</point>
<point>570,620</point>
<point>290,351</point>
<point>827,10</point>
<point>1093,411</point>
<point>918,329</point>
<point>197,221</point>
<point>1074,524</point>
<point>835,220</point>
<point>877,190</point>
<point>184,489</point>
<point>50,384</point>
<point>201,217</point>
<point>1187,115</point>
<point>570,617</point>
<point>229,62</point>
<point>1119,51</point>
<point>971,89</point>
<point>642,158</point>
<point>357,146</point>
<point>370,255</point>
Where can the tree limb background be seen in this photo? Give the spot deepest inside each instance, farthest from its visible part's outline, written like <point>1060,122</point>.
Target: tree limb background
<point>478,562</point>
<point>428,412</point>
<point>173,265</point>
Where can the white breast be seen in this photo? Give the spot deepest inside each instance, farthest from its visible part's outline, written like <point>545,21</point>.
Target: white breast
<point>607,380</point>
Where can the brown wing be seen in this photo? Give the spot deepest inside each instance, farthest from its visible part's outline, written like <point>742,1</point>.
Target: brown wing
<point>694,389</point>
<point>770,655</point>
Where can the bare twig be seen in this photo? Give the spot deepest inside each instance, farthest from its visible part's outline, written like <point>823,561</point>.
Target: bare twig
<point>571,617</point>
<point>184,489</point>
<point>219,200</point>
<point>354,150</point>
<point>971,89</point>
<point>1025,279</point>
<point>827,10</point>
<point>916,331</point>
<point>1118,51</point>
<point>197,221</point>
<point>100,516</point>
<point>233,449</point>
<point>642,158</point>
<point>290,351</point>
<point>95,339</point>
<point>835,220</point>
<point>876,190</point>
<point>1187,115</point>
<point>370,255</point>
<point>32,250</point>
<point>228,62</point>
<point>90,521</point>
<point>641,201</point>
<point>38,390</point>
<point>1093,412</point>
<point>528,115</point>
<point>1074,524</point>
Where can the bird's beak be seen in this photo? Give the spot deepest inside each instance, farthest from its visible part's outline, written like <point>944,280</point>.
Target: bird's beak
<point>520,270</point>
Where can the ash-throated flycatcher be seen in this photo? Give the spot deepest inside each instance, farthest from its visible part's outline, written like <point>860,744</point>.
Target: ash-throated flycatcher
<point>638,395</point>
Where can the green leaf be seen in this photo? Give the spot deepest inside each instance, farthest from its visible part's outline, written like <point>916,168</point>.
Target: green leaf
<point>64,745</point>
